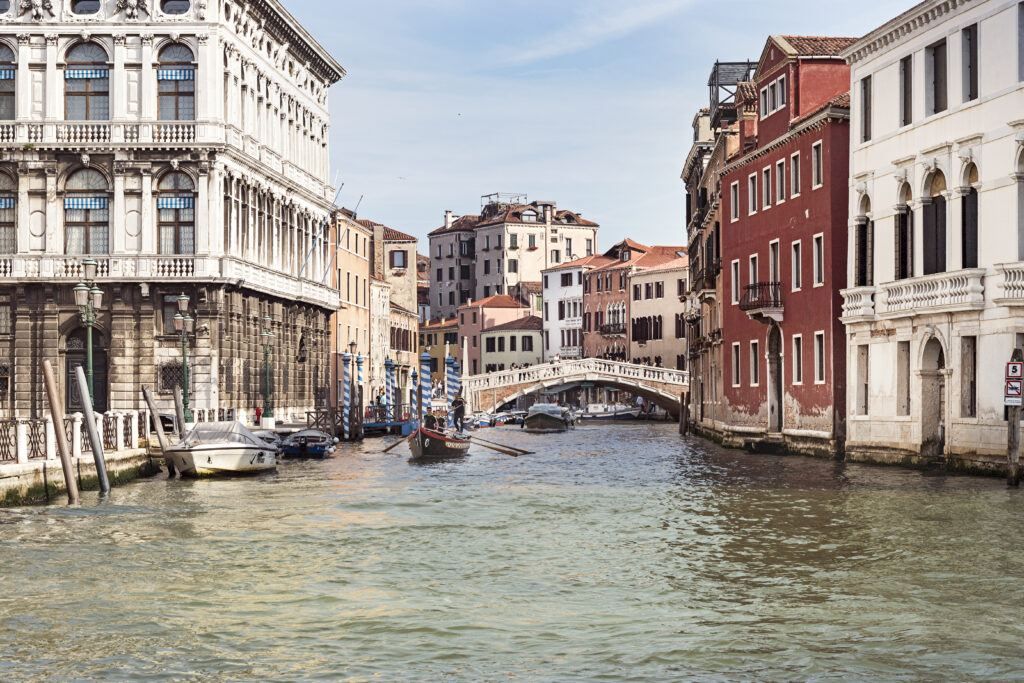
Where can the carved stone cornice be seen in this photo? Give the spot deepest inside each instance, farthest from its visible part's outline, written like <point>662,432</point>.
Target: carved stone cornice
<point>51,38</point>
<point>120,39</point>
<point>24,38</point>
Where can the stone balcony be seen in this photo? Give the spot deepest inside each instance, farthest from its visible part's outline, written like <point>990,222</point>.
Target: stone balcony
<point>170,268</point>
<point>958,290</point>
<point>1010,282</point>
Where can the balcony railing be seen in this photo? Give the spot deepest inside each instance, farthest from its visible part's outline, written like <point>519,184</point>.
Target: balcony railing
<point>613,328</point>
<point>858,303</point>
<point>956,290</point>
<point>761,295</point>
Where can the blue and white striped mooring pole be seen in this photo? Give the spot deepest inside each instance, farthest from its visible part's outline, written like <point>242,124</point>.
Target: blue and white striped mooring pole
<point>389,393</point>
<point>425,381</point>
<point>453,386</point>
<point>359,383</point>
<point>347,393</point>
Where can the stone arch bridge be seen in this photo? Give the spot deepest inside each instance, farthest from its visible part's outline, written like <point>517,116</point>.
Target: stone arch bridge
<point>660,385</point>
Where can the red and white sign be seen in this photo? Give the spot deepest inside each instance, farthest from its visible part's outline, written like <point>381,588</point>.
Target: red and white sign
<point>1015,370</point>
<point>1013,392</point>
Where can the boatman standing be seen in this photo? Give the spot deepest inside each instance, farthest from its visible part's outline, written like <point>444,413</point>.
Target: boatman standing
<point>459,410</point>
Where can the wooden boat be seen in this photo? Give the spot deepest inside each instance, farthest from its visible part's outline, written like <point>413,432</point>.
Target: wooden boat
<point>544,418</point>
<point>427,444</point>
<point>221,448</point>
<point>601,411</point>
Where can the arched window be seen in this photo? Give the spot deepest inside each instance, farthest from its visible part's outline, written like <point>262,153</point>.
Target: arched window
<point>8,190</point>
<point>86,84</point>
<point>5,6</point>
<point>177,217</point>
<point>969,219</point>
<point>85,6</point>
<point>177,83</point>
<point>864,246</point>
<point>175,6</point>
<point>904,235</point>
<point>6,82</point>
<point>934,225</point>
<point>86,213</point>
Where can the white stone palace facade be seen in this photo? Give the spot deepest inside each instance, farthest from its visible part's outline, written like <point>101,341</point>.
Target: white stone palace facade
<point>183,146</point>
<point>935,300</point>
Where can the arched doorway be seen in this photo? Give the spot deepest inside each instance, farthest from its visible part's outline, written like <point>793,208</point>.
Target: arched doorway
<point>76,357</point>
<point>774,379</point>
<point>933,399</point>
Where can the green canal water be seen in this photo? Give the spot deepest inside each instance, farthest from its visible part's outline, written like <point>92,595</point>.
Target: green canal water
<point>613,553</point>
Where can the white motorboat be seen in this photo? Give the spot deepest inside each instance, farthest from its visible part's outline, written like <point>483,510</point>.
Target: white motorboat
<point>604,411</point>
<point>221,448</point>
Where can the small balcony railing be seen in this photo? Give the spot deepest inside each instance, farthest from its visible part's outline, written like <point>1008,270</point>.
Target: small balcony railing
<point>763,300</point>
<point>613,328</point>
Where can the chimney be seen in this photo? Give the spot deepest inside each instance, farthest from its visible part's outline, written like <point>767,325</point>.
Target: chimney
<point>448,218</point>
<point>547,214</point>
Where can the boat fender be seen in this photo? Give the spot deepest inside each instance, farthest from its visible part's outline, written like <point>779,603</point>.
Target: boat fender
<point>426,442</point>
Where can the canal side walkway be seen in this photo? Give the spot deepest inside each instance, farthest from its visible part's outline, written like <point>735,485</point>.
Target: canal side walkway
<point>31,472</point>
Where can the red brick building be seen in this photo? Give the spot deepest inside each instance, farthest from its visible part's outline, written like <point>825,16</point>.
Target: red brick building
<point>605,305</point>
<point>784,241</point>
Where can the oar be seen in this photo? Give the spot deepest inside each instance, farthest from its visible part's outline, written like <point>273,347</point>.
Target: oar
<point>514,454</point>
<point>400,441</point>
<point>511,448</point>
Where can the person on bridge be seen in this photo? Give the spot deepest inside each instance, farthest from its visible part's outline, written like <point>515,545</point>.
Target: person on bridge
<point>459,410</point>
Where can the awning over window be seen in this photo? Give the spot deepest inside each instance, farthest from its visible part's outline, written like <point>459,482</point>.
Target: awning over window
<point>6,74</point>
<point>85,73</point>
<point>6,202</point>
<point>174,203</point>
<point>176,74</point>
<point>85,202</point>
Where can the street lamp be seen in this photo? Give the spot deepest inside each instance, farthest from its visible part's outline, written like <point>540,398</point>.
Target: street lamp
<point>89,299</point>
<point>183,324</point>
<point>268,341</point>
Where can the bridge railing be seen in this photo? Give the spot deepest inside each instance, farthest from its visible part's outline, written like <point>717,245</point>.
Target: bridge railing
<point>571,368</point>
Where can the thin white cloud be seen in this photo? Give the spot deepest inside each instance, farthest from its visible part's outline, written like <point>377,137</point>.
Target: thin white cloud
<point>608,23</point>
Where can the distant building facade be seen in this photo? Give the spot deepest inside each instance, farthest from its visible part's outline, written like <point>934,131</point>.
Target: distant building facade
<point>655,307</point>
<point>563,309</point>
<point>477,316</point>
<point>515,344</point>
<point>351,273</point>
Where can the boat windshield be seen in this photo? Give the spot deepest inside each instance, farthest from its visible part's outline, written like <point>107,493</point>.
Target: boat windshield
<point>546,408</point>
<point>220,432</point>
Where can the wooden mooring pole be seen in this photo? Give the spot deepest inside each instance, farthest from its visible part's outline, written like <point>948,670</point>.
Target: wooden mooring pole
<point>1013,434</point>
<point>684,414</point>
<point>94,437</point>
<point>57,412</point>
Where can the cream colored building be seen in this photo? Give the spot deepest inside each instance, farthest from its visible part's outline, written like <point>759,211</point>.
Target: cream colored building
<point>936,253</point>
<point>655,309</point>
<point>351,242</point>
<point>516,343</point>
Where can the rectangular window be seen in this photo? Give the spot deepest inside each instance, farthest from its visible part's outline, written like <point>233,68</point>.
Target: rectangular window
<point>936,77</point>
<point>451,298</point>
<point>798,359</point>
<point>780,181</point>
<point>735,284</point>
<point>566,279</point>
<point>636,292</point>
<point>752,271</point>
<point>659,290</point>
<point>782,91</point>
<point>397,258</point>
<point>862,379</point>
<point>735,364</point>
<point>501,344</point>
<point>819,260</point>
<point>773,261</point>
<point>568,247</point>
<point>451,273</point>
<point>734,202</point>
<point>796,267</point>
<point>904,243</point>
<point>865,109</point>
<point>773,99</point>
<point>817,172</point>
<point>969,52</point>
<point>555,257</point>
<point>764,102</point>
<point>527,343</point>
<point>531,241</point>
<point>755,366</point>
<point>487,266</point>
<point>794,175</point>
<point>819,357</point>
<point>903,378</point>
<point>464,272</point>
<point>1020,42</point>
<point>968,376</point>
<point>512,343</point>
<point>648,290</point>
<point>561,310</point>
<point>766,187</point>
<point>906,90</point>
<point>440,274</point>
<point>590,247</point>
<point>752,194</point>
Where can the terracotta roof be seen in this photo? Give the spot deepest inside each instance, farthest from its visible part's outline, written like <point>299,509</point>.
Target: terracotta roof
<point>402,309</point>
<point>459,224</point>
<point>641,256</point>
<point>680,262</point>
<point>529,285</point>
<point>390,234</point>
<point>513,213</point>
<point>496,301</point>
<point>841,101</point>
<point>817,46</point>
<point>530,322</point>
<point>440,322</point>
<point>746,92</point>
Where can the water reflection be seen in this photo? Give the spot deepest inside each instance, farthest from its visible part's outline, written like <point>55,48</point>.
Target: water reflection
<point>619,553</point>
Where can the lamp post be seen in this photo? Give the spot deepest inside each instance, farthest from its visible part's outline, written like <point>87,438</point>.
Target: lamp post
<point>267,422</point>
<point>89,299</point>
<point>183,324</point>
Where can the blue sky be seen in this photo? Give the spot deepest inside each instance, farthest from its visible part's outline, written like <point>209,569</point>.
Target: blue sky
<point>584,102</point>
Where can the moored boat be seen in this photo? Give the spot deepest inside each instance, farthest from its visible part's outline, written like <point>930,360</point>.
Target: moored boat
<point>212,448</point>
<point>427,444</point>
<point>547,417</point>
<point>601,411</point>
<point>308,443</point>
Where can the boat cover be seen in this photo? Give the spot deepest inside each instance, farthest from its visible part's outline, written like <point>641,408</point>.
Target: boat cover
<point>221,432</point>
<point>547,408</point>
